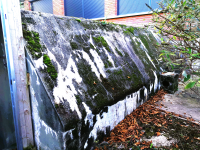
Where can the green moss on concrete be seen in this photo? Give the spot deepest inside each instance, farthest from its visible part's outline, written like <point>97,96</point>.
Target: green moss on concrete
<point>89,25</point>
<point>73,45</point>
<point>108,71</point>
<point>89,77</point>
<point>101,101</point>
<point>67,24</point>
<point>129,31</point>
<point>92,46</point>
<point>118,72</point>
<point>50,68</point>
<point>144,41</point>
<point>97,39</point>
<point>78,99</point>
<point>29,20</point>
<point>85,25</point>
<point>136,79</point>
<point>30,147</point>
<point>33,43</point>
<point>122,26</point>
<point>101,40</point>
<point>55,33</point>
<point>86,49</point>
<point>79,39</point>
<point>89,103</point>
<point>143,57</point>
<point>48,81</point>
<point>78,20</point>
<point>24,25</point>
<point>105,65</point>
<point>110,64</point>
<point>118,52</point>
<point>56,106</point>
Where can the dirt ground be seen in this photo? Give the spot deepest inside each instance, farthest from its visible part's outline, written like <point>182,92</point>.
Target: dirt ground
<point>166,121</point>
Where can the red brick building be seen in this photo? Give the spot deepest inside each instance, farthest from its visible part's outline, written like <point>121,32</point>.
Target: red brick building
<point>129,12</point>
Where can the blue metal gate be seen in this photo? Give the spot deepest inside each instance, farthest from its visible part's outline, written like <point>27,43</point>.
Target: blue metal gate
<point>74,8</point>
<point>93,9</point>
<point>135,6</point>
<point>84,8</point>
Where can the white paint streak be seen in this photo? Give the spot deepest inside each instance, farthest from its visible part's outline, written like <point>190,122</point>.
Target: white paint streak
<point>38,123</point>
<point>98,62</point>
<point>156,36</point>
<point>91,63</point>
<point>150,59</point>
<point>48,130</point>
<point>114,115</point>
<point>39,63</point>
<point>86,144</point>
<point>145,93</point>
<point>62,91</point>
<point>109,57</point>
<point>142,46</point>
<point>69,132</point>
<point>89,116</point>
<point>151,87</point>
<point>34,70</point>
<point>156,82</point>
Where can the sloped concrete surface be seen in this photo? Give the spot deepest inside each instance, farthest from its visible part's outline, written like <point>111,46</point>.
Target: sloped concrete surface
<point>93,74</point>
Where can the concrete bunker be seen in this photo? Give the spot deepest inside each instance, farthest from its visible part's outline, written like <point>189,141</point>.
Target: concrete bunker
<point>85,77</point>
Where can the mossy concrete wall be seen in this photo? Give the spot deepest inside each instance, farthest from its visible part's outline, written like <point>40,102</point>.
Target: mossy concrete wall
<point>90,69</point>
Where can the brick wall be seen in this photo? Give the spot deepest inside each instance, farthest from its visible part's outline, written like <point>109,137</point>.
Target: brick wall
<point>58,7</point>
<point>27,5</point>
<point>137,21</point>
<point>110,8</point>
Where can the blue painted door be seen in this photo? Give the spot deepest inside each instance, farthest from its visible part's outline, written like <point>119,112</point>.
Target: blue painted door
<point>43,6</point>
<point>135,6</point>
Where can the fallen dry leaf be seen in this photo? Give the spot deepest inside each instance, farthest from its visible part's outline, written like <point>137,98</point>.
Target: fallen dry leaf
<point>157,133</point>
<point>137,143</point>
